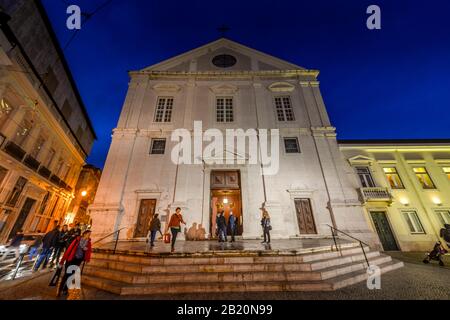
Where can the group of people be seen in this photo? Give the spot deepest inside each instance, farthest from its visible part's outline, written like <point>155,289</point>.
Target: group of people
<point>53,244</point>
<point>222,226</point>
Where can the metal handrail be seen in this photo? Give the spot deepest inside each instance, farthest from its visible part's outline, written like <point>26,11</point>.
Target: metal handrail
<point>334,233</point>
<point>109,235</point>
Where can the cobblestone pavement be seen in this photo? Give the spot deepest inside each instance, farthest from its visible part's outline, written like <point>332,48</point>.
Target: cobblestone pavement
<point>414,281</point>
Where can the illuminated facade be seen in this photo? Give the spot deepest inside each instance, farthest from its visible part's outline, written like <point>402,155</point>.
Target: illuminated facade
<point>405,188</point>
<point>226,85</point>
<point>45,132</point>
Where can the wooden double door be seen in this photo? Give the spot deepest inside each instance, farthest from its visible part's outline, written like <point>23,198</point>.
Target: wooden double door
<point>146,211</point>
<point>305,218</point>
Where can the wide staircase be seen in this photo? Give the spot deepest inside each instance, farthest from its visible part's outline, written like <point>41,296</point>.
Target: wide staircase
<point>317,269</point>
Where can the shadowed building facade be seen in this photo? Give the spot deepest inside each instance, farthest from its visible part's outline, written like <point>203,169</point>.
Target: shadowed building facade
<point>45,132</point>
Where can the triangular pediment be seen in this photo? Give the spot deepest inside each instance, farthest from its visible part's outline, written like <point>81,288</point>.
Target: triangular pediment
<point>360,159</point>
<point>201,59</point>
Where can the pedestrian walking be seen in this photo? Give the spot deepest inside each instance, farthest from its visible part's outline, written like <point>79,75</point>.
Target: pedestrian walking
<point>14,245</point>
<point>266,226</point>
<point>232,223</point>
<point>73,233</point>
<point>175,226</point>
<point>60,245</point>
<point>79,251</point>
<point>35,247</point>
<point>221,223</point>
<point>48,244</point>
<point>155,226</point>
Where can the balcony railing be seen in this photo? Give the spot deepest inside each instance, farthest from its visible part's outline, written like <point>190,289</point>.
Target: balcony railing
<point>14,150</point>
<point>375,194</point>
<point>55,180</point>
<point>43,171</point>
<point>31,163</point>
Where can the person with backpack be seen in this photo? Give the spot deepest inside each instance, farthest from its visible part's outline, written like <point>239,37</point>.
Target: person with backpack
<point>79,251</point>
<point>155,226</point>
<point>48,244</point>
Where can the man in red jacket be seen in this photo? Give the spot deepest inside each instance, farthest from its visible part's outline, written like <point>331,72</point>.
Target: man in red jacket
<point>79,251</point>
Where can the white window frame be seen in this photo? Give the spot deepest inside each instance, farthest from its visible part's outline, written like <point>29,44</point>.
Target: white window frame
<point>284,108</point>
<point>441,217</point>
<point>164,110</point>
<point>224,110</point>
<point>368,173</point>
<point>418,229</point>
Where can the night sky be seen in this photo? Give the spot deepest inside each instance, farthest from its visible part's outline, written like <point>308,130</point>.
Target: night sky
<point>384,84</point>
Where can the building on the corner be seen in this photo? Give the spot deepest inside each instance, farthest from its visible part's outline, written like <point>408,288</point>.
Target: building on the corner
<point>45,131</point>
<point>226,85</point>
<point>405,187</point>
<point>85,191</point>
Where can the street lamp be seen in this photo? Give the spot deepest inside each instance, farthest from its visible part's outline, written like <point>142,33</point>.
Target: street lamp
<point>84,193</point>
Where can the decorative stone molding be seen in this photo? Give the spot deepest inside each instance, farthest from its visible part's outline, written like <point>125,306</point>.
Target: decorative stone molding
<point>124,132</point>
<point>360,159</point>
<point>281,87</point>
<point>224,89</point>
<point>301,193</point>
<point>169,88</point>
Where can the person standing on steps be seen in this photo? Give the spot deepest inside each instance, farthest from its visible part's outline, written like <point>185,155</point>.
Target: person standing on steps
<point>265,223</point>
<point>175,226</point>
<point>155,226</point>
<point>232,224</point>
<point>222,227</point>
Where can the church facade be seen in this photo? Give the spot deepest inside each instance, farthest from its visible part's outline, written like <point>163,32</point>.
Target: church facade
<point>217,87</point>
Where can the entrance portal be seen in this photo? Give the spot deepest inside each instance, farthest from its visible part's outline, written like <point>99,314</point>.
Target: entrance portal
<point>226,196</point>
<point>146,212</point>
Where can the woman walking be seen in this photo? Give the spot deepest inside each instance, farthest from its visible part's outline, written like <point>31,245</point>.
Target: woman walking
<point>265,223</point>
<point>79,251</point>
<point>175,226</point>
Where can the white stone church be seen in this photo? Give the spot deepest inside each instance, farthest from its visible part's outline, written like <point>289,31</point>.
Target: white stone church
<point>226,85</point>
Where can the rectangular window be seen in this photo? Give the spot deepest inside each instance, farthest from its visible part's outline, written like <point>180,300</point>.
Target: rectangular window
<point>291,145</point>
<point>224,109</point>
<point>50,80</point>
<point>5,111</point>
<point>447,172</point>
<point>443,216</point>
<point>413,221</point>
<point>365,176</point>
<point>164,110</point>
<point>284,109</point>
<point>3,173</point>
<point>424,178</point>
<point>37,148</point>
<point>23,132</point>
<point>158,146</point>
<point>50,156</point>
<point>16,192</point>
<point>393,178</point>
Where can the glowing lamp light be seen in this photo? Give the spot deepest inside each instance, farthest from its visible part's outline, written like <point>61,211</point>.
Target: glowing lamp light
<point>404,202</point>
<point>437,201</point>
<point>84,193</point>
<point>225,201</point>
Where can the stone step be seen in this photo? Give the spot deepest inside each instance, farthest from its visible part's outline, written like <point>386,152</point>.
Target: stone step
<point>251,275</point>
<point>195,287</point>
<point>362,275</point>
<point>225,259</point>
<point>340,260</point>
<point>242,286</point>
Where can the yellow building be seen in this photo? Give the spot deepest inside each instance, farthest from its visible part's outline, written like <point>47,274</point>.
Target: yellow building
<point>405,189</point>
<point>45,132</point>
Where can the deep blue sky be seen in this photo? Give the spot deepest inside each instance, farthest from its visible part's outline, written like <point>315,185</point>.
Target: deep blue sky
<point>390,83</point>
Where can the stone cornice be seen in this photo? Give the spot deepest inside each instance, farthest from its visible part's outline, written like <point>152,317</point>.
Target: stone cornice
<point>230,74</point>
